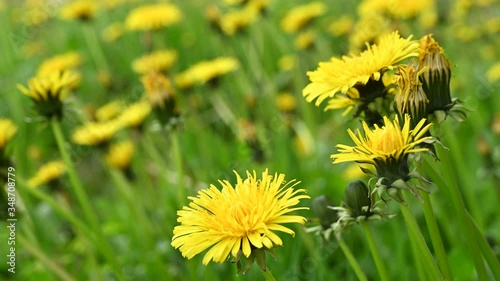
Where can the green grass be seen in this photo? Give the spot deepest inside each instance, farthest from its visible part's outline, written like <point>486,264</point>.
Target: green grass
<point>137,216</point>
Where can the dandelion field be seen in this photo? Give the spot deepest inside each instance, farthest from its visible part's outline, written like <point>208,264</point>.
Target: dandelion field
<point>326,128</point>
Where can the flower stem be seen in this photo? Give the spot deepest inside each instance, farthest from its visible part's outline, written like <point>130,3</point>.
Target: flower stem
<point>424,253</point>
<point>177,154</point>
<point>437,242</point>
<point>268,275</point>
<point>485,248</point>
<point>44,259</point>
<point>95,48</point>
<point>352,260</point>
<point>83,199</point>
<point>449,183</point>
<point>379,262</point>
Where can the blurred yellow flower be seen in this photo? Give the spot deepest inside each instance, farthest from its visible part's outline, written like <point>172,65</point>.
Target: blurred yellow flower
<point>96,133</point>
<point>152,17</point>
<point>238,220</point>
<point>233,21</point>
<point>493,73</point>
<point>79,10</point>
<point>156,61</point>
<point>394,8</point>
<point>66,61</point>
<point>341,26</point>
<point>286,102</point>
<point>305,39</point>
<point>135,114</point>
<point>109,111</point>
<point>158,88</point>
<point>113,32</point>
<point>47,173</point>
<point>206,71</point>
<point>340,75</point>
<point>55,86</point>
<point>286,63</point>
<point>7,131</point>
<point>120,154</point>
<point>299,16</point>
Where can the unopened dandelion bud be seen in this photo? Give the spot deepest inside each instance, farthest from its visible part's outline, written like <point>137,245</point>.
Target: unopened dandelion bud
<point>436,79</point>
<point>357,198</point>
<point>321,207</point>
<point>411,98</point>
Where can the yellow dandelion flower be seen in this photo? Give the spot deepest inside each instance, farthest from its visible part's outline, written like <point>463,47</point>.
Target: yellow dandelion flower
<point>62,62</point>
<point>286,102</point>
<point>113,32</point>
<point>347,101</point>
<point>394,8</point>
<point>109,111</point>
<point>152,17</point>
<point>387,144</point>
<point>119,155</point>
<point>158,89</point>
<point>47,173</point>
<point>79,10</point>
<point>286,63</point>
<point>157,61</point>
<point>493,73</point>
<point>299,16</point>
<point>340,75</point>
<point>48,91</point>
<point>205,71</point>
<point>233,21</point>
<point>341,26</point>
<point>305,40</point>
<point>95,133</point>
<point>238,219</point>
<point>7,131</point>
<point>135,114</point>
<point>367,29</point>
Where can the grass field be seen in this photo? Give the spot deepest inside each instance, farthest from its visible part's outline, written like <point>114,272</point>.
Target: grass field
<point>108,212</point>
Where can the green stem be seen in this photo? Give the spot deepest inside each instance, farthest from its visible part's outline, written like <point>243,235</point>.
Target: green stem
<point>44,259</point>
<point>83,199</point>
<point>485,248</point>
<point>424,253</point>
<point>379,262</point>
<point>352,260</point>
<point>459,206</point>
<point>421,273</point>
<point>177,153</point>
<point>268,275</point>
<point>437,242</point>
<point>95,48</point>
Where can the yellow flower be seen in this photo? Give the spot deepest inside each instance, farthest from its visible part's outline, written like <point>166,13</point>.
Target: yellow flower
<point>301,15</point>
<point>113,32</point>
<point>96,133</point>
<point>341,26</point>
<point>109,111</point>
<point>238,219</point>
<point>135,114</point>
<point>62,62</point>
<point>381,145</point>
<point>54,86</point>
<point>394,8</point>
<point>79,9</point>
<point>493,73</point>
<point>7,131</point>
<point>286,102</point>
<point>411,98</point>
<point>286,63</point>
<point>48,173</point>
<point>119,155</point>
<point>305,40</point>
<point>158,89</point>
<point>347,101</point>
<point>340,75</point>
<point>157,61</point>
<point>152,17</point>
<point>48,91</point>
<point>233,21</point>
<point>205,71</point>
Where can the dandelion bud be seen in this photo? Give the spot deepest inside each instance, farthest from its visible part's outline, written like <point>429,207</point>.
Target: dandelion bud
<point>357,198</point>
<point>411,98</point>
<point>436,79</point>
<point>321,207</point>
